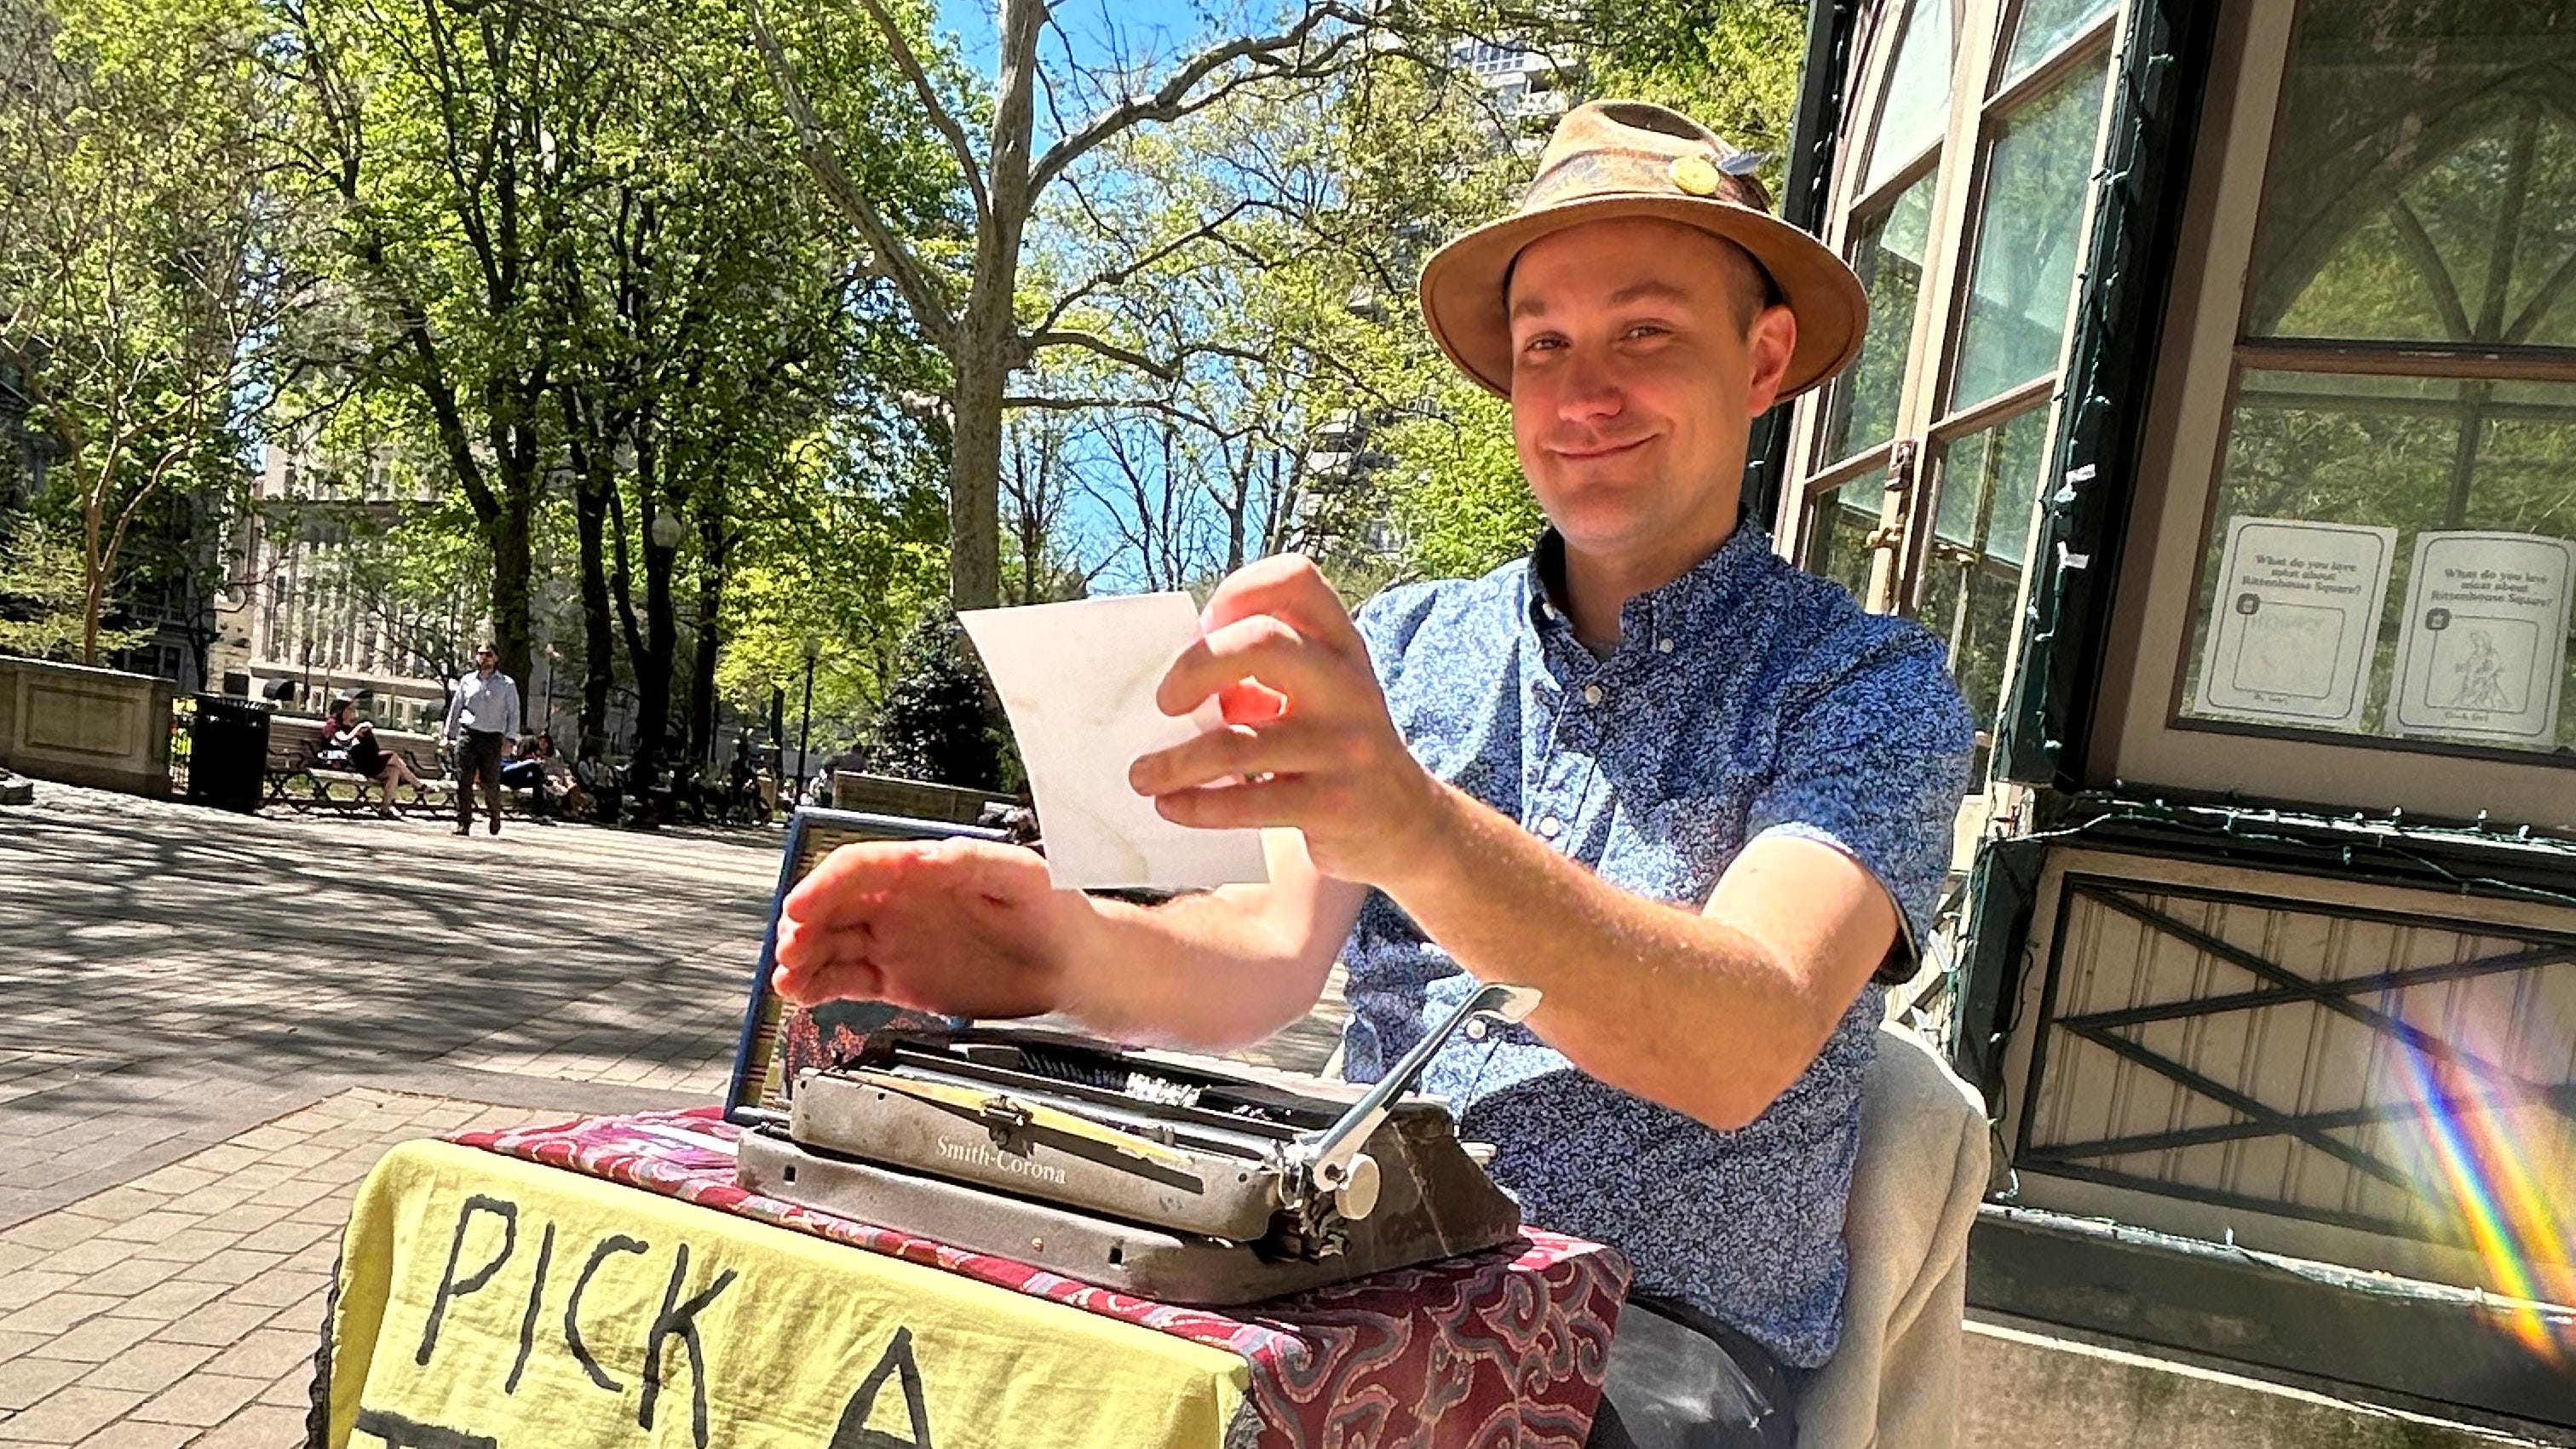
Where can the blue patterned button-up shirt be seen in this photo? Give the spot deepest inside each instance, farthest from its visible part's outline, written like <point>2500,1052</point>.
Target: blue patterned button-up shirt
<point>1744,699</point>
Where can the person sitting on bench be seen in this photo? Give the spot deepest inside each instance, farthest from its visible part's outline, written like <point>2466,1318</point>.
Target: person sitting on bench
<point>349,743</point>
<point>531,767</point>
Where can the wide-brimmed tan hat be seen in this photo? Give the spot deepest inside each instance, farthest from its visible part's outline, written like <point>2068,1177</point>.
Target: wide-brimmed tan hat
<point>1631,158</point>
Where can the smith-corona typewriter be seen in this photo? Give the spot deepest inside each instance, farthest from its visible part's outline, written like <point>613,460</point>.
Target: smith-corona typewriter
<point>1181,1178</point>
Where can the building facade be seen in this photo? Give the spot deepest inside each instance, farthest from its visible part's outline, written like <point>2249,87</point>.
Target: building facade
<point>312,615</point>
<point>2218,410</point>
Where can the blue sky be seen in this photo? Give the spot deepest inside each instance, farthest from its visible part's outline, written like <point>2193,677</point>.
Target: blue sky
<point>1165,24</point>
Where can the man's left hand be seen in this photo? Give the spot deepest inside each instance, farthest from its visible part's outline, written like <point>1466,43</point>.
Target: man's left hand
<point>1306,743</point>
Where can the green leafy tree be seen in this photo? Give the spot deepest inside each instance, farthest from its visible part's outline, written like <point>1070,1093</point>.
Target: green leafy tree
<point>1731,65</point>
<point>44,599</point>
<point>722,336</point>
<point>141,247</point>
<point>937,723</point>
<point>432,132</point>
<point>1300,354</point>
<point>582,292</point>
<point>849,562</point>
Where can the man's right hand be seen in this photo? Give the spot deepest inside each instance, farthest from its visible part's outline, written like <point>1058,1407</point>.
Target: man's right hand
<point>958,927</point>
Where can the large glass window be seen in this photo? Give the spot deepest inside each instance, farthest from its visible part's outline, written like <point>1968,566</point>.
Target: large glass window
<point>2045,26</point>
<point>1922,465</point>
<point>1838,534</point>
<point>2390,551</point>
<point>1887,250</point>
<point>1916,105</point>
<point>2022,286</point>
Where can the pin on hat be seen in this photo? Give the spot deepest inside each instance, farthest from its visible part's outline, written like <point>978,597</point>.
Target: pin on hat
<point>1611,159</point>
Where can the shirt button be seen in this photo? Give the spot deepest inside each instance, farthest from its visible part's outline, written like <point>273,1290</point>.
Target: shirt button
<point>1663,646</point>
<point>1592,694</point>
<point>1550,826</point>
<point>1475,1028</point>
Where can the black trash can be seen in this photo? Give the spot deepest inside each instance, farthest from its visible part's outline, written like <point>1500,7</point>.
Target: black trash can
<point>228,751</point>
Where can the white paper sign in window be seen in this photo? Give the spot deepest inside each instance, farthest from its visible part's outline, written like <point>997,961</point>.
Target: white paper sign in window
<point>2293,621</point>
<point>2484,646</point>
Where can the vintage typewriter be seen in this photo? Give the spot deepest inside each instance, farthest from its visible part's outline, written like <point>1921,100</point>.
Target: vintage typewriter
<point>1180,1178</point>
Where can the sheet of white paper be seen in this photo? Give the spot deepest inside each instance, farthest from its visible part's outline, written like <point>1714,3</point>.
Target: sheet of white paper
<point>1078,682</point>
<point>2484,649</point>
<point>2296,620</point>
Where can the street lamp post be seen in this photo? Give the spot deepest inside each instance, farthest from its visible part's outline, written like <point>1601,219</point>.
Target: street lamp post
<point>805,725</point>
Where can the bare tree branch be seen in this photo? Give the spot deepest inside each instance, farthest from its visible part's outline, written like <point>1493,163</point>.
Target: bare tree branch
<point>1084,404</point>
<point>1089,342</point>
<point>1119,276</point>
<point>1179,95</point>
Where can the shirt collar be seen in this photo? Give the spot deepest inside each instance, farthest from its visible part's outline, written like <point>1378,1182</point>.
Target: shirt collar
<point>1693,603</point>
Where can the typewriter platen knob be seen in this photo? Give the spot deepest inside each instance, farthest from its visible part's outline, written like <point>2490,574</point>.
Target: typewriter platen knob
<point>1356,1198</point>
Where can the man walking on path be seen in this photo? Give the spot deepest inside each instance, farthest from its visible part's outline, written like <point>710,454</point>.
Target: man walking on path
<point>482,713</point>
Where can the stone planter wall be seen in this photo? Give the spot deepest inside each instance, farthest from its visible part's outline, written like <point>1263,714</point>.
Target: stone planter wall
<point>912,799</point>
<point>97,727</point>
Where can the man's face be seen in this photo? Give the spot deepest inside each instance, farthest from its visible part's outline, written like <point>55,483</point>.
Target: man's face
<point>485,661</point>
<point>1638,365</point>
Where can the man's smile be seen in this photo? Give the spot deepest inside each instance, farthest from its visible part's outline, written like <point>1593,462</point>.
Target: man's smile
<point>1585,452</point>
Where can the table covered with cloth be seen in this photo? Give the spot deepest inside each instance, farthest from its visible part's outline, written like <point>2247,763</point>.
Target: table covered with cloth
<point>603,1281</point>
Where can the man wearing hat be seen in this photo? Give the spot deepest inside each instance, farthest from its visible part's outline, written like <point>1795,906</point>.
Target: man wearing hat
<point>1698,798</point>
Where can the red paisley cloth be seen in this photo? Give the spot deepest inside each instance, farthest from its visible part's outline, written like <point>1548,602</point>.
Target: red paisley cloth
<point>1482,1352</point>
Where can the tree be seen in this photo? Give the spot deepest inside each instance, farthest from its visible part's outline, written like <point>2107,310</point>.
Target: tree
<point>1037,497</point>
<point>713,324</point>
<point>141,254</point>
<point>1731,65</point>
<point>970,293</point>
<point>433,131</point>
<point>1349,384</point>
<point>853,572</point>
<point>936,723</point>
<point>578,278</point>
<point>44,601</point>
<point>1289,355</point>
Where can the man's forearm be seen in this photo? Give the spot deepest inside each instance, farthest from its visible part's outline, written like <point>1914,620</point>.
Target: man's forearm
<point>1204,972</point>
<point>1655,999</point>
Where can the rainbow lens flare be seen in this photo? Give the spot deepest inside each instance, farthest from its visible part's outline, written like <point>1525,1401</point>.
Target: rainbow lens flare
<point>2485,1146</point>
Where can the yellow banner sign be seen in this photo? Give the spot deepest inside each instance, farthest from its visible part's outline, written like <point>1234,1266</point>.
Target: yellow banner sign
<point>487,1303</point>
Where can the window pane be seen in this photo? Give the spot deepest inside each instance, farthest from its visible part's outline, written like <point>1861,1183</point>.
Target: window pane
<point>1838,529</point>
<point>2044,26</point>
<point>1987,482</point>
<point>2423,178</point>
<point>1887,251</point>
<point>2418,457</point>
<point>2021,289</point>
<point>1916,108</point>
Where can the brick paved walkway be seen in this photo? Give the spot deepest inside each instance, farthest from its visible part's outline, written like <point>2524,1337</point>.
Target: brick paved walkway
<point>211,1025</point>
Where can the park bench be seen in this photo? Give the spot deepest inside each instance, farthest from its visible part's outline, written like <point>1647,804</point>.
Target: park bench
<point>295,781</point>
